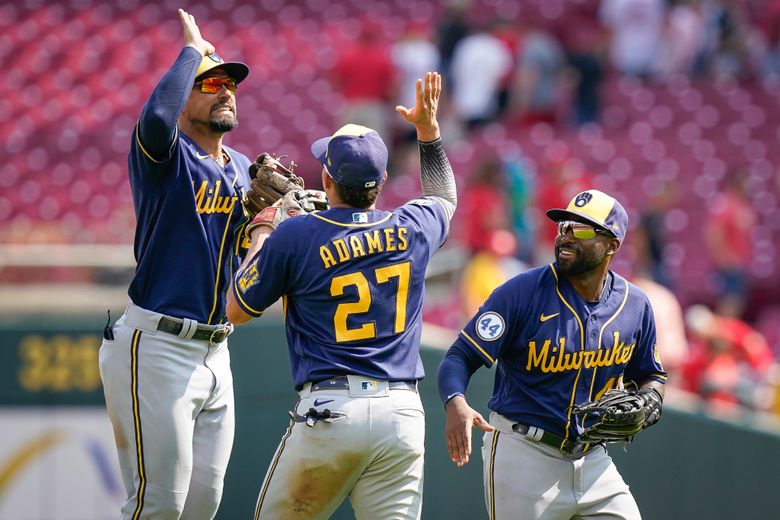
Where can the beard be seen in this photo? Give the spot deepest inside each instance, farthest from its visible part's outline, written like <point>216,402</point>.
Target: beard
<point>581,264</point>
<point>222,123</point>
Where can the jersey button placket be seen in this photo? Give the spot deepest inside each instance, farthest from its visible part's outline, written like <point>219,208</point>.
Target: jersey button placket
<point>593,333</point>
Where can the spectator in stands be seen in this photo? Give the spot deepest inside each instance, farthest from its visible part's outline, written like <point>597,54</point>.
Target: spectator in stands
<point>413,55</point>
<point>480,62</point>
<point>669,323</point>
<point>731,55</point>
<point>731,221</point>
<point>506,32</point>
<point>770,26</point>
<point>537,80</point>
<point>484,205</point>
<point>365,76</point>
<point>730,363</point>
<point>585,43</point>
<point>650,240</point>
<point>683,39</point>
<point>636,29</point>
<point>520,192</point>
<point>452,28</point>
<point>489,267</point>
<point>488,234</point>
<point>731,43</point>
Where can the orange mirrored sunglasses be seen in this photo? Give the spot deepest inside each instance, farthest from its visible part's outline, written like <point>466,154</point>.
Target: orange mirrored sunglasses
<point>214,85</point>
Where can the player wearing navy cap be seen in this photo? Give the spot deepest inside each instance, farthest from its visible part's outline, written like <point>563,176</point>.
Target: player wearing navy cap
<point>164,364</point>
<point>352,280</point>
<point>559,335</point>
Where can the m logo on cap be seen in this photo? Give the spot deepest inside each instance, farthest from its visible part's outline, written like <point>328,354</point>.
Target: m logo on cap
<point>582,199</point>
<point>596,208</point>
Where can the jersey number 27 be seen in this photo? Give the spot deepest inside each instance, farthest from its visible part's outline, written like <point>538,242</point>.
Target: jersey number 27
<point>402,272</point>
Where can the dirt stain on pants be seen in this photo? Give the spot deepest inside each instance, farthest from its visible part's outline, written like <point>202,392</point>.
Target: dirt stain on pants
<point>319,483</point>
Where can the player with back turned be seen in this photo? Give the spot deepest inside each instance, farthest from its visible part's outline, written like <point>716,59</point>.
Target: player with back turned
<point>352,280</point>
<point>165,366</point>
<point>572,342</point>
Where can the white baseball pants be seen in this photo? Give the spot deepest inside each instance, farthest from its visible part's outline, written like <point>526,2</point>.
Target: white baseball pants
<point>527,480</point>
<point>170,402</point>
<point>372,451</point>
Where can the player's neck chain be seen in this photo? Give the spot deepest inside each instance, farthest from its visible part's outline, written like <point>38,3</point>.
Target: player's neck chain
<point>222,160</point>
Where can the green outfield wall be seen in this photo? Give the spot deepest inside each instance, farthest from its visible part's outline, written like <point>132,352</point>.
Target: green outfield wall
<point>687,467</point>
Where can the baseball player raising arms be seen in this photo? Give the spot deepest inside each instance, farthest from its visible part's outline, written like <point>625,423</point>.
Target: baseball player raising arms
<point>164,364</point>
<point>561,335</point>
<point>352,282</point>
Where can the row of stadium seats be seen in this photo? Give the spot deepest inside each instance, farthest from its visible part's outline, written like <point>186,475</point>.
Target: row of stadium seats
<point>78,71</point>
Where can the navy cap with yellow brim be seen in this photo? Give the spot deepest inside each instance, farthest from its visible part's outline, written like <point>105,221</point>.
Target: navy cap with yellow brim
<point>235,69</point>
<point>596,208</point>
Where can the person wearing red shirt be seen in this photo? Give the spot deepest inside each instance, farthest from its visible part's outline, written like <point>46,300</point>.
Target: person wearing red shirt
<point>729,360</point>
<point>366,78</point>
<point>728,237</point>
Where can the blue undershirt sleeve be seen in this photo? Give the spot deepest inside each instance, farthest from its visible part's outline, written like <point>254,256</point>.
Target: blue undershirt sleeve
<point>157,126</point>
<point>455,370</point>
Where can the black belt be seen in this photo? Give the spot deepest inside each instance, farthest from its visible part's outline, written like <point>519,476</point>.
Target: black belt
<point>550,439</point>
<point>342,383</point>
<point>211,333</point>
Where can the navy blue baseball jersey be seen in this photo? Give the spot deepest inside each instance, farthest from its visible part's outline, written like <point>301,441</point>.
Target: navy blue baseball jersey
<point>190,215</point>
<point>553,349</point>
<point>353,284</point>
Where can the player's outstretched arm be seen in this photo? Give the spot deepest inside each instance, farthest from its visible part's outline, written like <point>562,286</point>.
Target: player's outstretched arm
<point>455,370</point>
<point>436,174</point>
<point>192,36</point>
<point>461,418</point>
<point>423,114</point>
<point>157,125</point>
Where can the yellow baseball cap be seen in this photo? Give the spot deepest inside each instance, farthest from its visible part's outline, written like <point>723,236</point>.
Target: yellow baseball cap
<point>237,70</point>
<point>596,208</point>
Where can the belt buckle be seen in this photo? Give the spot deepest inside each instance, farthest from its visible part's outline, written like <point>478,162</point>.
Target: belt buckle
<point>225,330</point>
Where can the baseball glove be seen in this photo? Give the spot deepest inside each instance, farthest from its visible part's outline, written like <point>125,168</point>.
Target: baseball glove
<point>293,203</point>
<point>271,181</point>
<point>619,415</point>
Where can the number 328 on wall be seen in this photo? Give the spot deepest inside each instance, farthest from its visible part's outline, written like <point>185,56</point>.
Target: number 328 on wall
<point>59,363</point>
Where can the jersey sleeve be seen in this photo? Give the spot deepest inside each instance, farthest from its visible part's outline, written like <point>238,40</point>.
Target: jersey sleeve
<point>455,370</point>
<point>490,329</point>
<point>258,285</point>
<point>156,131</point>
<point>646,363</point>
<point>431,218</point>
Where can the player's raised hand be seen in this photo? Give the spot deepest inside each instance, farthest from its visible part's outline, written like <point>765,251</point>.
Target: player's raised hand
<point>461,418</point>
<point>423,114</point>
<point>192,36</point>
